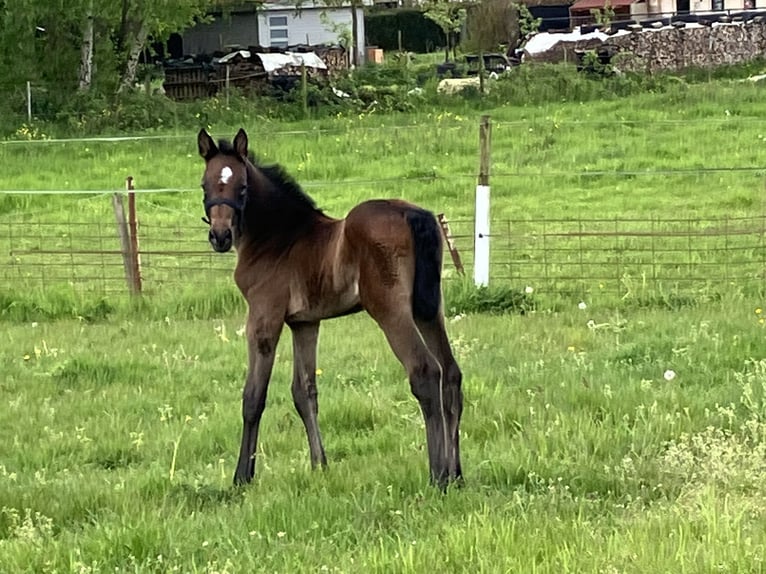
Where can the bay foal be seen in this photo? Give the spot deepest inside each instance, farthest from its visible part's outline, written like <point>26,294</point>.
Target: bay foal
<point>296,266</point>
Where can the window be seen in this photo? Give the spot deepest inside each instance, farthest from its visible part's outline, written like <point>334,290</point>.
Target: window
<point>717,4</point>
<point>278,36</point>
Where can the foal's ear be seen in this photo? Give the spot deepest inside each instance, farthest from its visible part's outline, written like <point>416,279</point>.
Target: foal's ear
<point>206,145</point>
<point>240,143</point>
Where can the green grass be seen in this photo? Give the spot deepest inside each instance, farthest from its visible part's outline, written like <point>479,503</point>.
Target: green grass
<point>539,154</point>
<point>579,455</point>
<point>120,420</point>
<point>687,151</point>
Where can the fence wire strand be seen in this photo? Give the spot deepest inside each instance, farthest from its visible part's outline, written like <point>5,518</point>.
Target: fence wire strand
<point>579,255</point>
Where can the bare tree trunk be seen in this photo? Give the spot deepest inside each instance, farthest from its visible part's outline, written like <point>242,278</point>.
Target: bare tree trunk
<point>123,31</point>
<point>86,51</point>
<point>354,34</point>
<point>137,45</point>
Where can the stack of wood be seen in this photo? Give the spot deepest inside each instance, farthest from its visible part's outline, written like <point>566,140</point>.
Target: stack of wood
<point>677,48</point>
<point>245,71</point>
<point>655,46</point>
<point>193,79</point>
<point>189,81</point>
<point>336,58</point>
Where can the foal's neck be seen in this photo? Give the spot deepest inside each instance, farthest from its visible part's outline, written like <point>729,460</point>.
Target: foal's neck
<point>277,213</point>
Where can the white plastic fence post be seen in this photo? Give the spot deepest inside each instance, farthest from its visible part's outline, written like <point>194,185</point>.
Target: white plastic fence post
<point>481,225</point>
<point>481,239</point>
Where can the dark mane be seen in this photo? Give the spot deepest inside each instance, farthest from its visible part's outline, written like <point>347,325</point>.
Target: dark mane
<point>285,212</point>
<point>287,186</point>
<point>276,174</point>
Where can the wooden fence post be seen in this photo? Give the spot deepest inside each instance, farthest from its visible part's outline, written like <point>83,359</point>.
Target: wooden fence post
<point>228,72</point>
<point>304,90</point>
<point>135,257</point>
<point>481,226</point>
<point>122,231</point>
<point>447,234</point>
<point>29,102</point>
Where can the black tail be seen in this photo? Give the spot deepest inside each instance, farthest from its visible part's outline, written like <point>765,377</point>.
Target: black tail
<point>427,239</point>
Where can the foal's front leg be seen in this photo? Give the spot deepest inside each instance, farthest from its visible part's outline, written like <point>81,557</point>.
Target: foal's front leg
<point>304,387</point>
<point>262,339</point>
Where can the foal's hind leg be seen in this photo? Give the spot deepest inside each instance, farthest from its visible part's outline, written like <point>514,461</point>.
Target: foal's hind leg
<point>305,387</point>
<point>436,338</point>
<point>425,382</point>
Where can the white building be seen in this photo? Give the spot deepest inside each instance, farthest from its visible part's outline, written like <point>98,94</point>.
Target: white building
<point>280,24</point>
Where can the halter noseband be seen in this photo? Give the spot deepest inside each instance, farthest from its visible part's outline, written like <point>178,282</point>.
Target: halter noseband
<point>237,205</point>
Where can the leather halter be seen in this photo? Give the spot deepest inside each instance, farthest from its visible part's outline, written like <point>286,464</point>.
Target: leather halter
<point>237,205</point>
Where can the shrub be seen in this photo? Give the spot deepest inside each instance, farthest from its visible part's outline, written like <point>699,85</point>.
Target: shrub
<point>465,297</point>
<point>418,33</point>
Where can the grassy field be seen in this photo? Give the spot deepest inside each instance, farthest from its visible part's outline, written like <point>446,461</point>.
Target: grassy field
<point>687,151</point>
<point>119,440</point>
<point>620,435</point>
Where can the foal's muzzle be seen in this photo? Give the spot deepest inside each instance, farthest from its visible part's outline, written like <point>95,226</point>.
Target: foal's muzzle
<point>221,240</point>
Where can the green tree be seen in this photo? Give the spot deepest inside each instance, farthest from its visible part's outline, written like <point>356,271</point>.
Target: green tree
<point>450,17</point>
<point>77,44</point>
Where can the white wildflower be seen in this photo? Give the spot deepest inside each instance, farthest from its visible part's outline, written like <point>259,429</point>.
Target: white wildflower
<point>669,375</point>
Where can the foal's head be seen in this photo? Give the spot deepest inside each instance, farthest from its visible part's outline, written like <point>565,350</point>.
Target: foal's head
<point>225,185</point>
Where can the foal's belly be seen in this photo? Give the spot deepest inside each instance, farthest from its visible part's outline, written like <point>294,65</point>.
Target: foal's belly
<point>311,307</point>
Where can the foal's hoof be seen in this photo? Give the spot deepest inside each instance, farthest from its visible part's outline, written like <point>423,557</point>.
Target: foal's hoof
<point>445,482</point>
<point>242,479</point>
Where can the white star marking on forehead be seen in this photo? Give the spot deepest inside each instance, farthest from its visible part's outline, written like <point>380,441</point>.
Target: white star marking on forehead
<point>226,174</point>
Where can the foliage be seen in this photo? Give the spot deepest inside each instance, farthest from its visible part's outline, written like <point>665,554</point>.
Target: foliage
<point>42,41</point>
<point>491,25</point>
<point>463,297</point>
<point>592,64</point>
<point>418,33</point>
<point>604,16</point>
<point>450,17</point>
<point>341,30</point>
<point>528,24</point>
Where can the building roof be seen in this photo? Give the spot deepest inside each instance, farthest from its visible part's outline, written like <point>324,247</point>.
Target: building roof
<point>586,5</point>
<point>309,4</point>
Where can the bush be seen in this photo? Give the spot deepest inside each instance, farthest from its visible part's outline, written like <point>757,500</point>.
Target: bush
<point>418,33</point>
<point>464,297</point>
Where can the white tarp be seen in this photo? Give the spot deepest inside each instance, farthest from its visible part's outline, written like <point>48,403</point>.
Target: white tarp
<point>273,62</point>
<point>544,41</point>
<point>228,57</point>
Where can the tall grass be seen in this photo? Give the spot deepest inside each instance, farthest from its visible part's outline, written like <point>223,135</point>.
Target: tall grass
<point>581,452</point>
<point>648,155</point>
<point>600,435</point>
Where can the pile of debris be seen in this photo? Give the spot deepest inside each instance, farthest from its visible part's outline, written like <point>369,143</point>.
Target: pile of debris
<point>252,70</point>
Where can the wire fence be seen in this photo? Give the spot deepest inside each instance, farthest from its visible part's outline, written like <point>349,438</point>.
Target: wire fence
<point>563,256</point>
<point>576,255</point>
<point>623,255</point>
<point>88,257</point>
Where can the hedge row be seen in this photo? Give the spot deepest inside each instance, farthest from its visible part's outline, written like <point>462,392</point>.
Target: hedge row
<point>419,34</point>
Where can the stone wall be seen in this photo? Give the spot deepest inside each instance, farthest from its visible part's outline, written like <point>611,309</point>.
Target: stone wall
<point>670,48</point>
